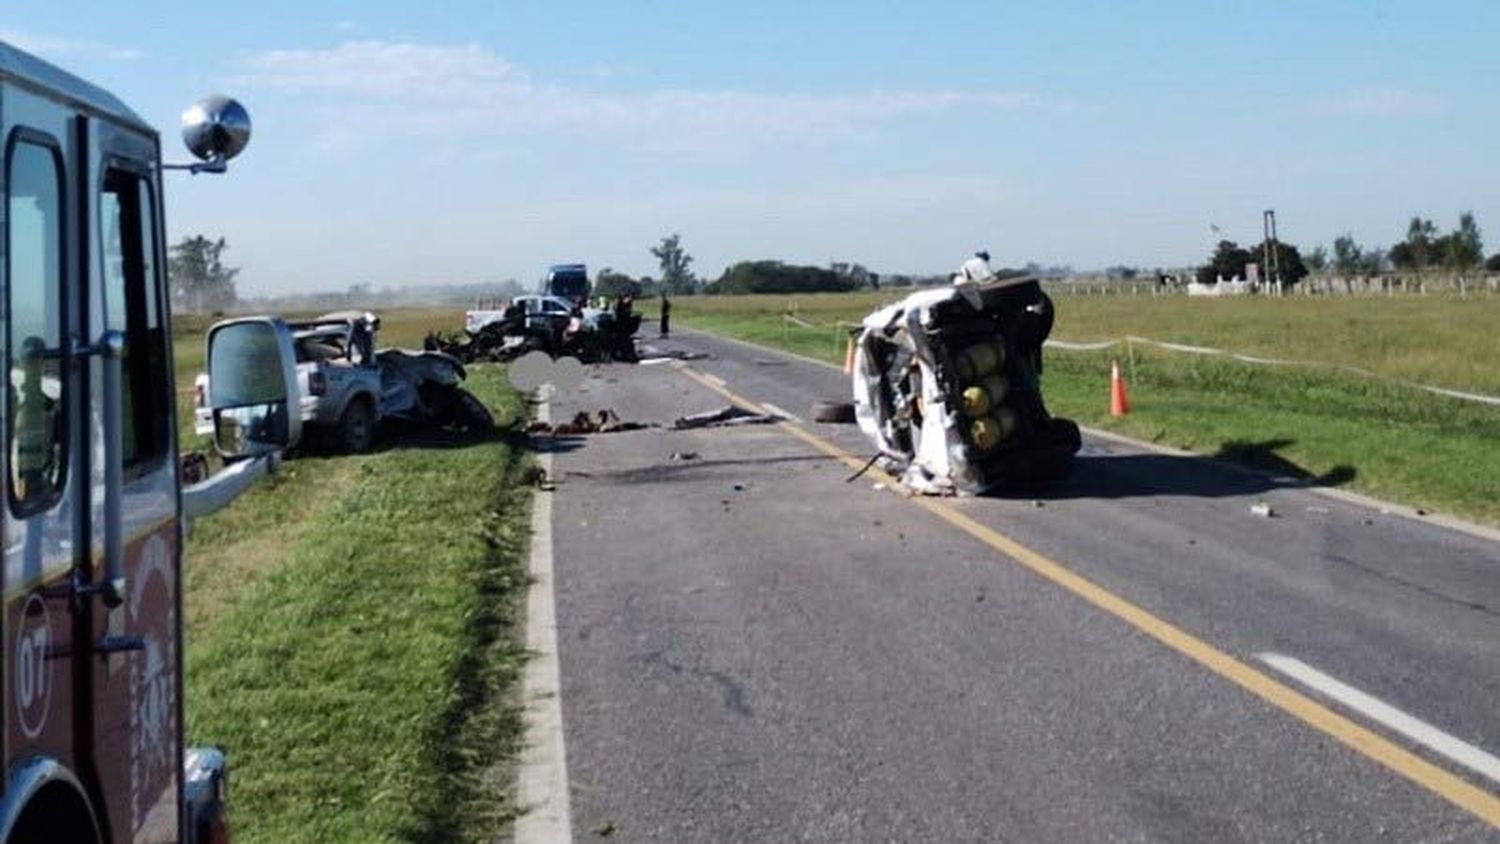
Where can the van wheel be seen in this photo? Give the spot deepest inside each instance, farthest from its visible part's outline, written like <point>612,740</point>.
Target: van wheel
<point>356,431</point>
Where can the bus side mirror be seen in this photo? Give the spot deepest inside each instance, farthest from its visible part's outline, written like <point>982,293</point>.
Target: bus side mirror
<point>214,129</point>
<point>252,387</point>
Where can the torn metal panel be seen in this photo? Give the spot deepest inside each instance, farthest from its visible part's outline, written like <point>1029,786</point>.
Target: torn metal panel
<point>728,416</point>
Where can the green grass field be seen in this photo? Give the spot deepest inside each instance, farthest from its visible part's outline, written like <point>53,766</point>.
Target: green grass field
<point>1367,434</point>
<point>351,631</point>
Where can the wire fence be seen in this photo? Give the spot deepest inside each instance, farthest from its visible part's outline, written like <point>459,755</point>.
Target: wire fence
<point>1461,285</point>
<point>839,333</point>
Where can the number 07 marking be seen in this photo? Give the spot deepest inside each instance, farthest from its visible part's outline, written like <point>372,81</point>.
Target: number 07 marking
<point>32,671</point>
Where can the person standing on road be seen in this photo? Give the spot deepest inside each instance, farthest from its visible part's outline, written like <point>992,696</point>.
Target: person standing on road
<point>666,314</point>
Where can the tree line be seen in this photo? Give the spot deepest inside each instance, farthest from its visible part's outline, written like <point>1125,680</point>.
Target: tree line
<point>1424,249</point>
<point>200,280</point>
<point>770,276</point>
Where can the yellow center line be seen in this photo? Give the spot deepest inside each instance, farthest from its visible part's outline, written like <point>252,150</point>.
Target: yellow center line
<point>1455,789</point>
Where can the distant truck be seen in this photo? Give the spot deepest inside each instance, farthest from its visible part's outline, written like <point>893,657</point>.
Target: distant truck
<point>94,505</point>
<point>568,281</point>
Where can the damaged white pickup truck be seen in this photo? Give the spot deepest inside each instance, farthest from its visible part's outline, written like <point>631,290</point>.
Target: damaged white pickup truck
<point>948,384</point>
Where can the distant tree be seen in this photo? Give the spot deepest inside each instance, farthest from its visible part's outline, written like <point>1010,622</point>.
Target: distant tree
<point>856,272</point>
<point>199,279</point>
<point>676,278</point>
<point>614,285</point>
<point>1289,265</point>
<point>1227,262</point>
<point>1463,249</point>
<point>1121,272</point>
<point>1317,260</point>
<point>1493,264</point>
<point>1419,249</point>
<point>1374,262</point>
<point>1348,256</point>
<point>1457,251</point>
<point>777,277</point>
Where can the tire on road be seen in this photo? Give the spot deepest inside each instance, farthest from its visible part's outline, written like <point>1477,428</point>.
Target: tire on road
<point>836,412</point>
<point>356,429</point>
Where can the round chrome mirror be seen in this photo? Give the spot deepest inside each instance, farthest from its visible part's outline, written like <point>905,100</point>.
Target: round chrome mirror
<point>216,128</point>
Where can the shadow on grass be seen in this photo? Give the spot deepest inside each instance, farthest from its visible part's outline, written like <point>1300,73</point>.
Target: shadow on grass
<point>1238,468</point>
<point>399,437</point>
<point>1263,456</point>
<point>481,719</point>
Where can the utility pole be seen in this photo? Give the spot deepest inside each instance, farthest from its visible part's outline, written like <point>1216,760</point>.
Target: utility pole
<point>1271,250</point>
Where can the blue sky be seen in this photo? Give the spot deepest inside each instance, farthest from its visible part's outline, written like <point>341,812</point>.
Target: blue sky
<point>406,143</point>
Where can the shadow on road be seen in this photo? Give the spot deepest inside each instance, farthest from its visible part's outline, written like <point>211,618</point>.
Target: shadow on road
<point>1237,468</point>
<point>666,472</point>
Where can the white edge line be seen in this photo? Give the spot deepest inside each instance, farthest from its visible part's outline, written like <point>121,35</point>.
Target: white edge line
<point>1385,507</point>
<point>542,778</point>
<point>1417,730</point>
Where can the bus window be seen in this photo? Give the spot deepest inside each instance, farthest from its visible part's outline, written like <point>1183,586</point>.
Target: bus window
<point>34,270</point>
<point>127,222</point>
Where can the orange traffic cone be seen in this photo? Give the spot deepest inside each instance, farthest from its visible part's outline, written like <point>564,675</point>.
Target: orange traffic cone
<point>849,356</point>
<point>1119,404</point>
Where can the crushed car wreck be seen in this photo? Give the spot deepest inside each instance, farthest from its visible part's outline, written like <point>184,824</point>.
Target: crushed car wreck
<point>347,389</point>
<point>947,383</point>
<point>551,324</point>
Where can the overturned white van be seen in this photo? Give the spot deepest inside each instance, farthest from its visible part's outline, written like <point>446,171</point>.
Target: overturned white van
<point>947,382</point>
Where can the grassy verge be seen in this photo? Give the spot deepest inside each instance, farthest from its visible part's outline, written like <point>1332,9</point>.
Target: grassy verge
<point>1366,434</point>
<point>351,640</point>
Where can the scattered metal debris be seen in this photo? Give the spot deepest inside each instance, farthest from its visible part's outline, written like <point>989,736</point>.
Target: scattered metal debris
<point>537,476</point>
<point>684,455</point>
<point>724,417</point>
<point>605,421</point>
<point>657,356</point>
<point>1263,510</point>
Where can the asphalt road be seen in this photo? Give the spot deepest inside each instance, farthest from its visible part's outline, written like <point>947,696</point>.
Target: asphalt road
<point>752,649</point>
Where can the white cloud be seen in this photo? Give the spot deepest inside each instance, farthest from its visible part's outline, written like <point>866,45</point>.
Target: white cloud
<point>469,90</point>
<point>53,46</point>
<point>1391,101</point>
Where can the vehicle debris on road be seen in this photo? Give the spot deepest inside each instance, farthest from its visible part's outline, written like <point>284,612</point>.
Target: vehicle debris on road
<point>655,356</point>
<point>556,325</point>
<point>604,421</point>
<point>730,415</point>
